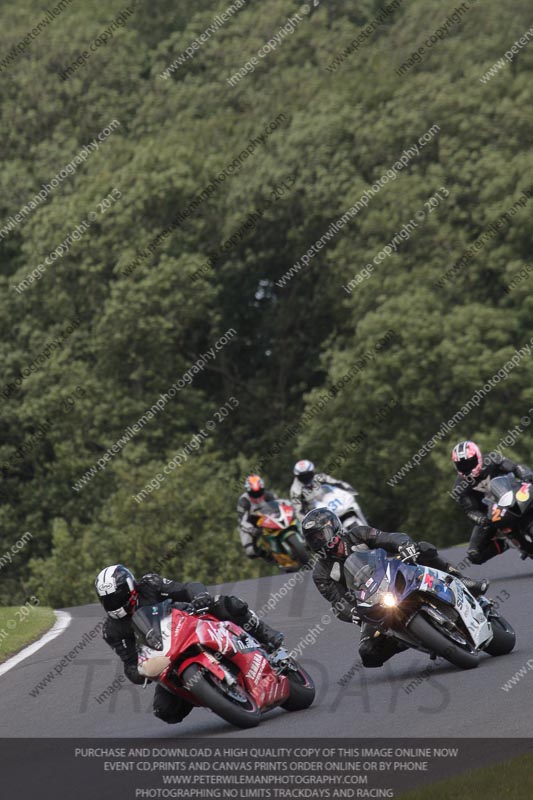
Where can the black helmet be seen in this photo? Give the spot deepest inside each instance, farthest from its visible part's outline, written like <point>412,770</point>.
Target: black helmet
<point>305,471</point>
<point>321,528</point>
<point>117,591</point>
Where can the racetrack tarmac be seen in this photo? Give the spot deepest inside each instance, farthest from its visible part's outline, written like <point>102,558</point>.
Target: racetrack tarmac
<point>443,702</point>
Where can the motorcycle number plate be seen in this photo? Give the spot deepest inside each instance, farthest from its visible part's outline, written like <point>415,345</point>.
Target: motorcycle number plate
<point>497,513</point>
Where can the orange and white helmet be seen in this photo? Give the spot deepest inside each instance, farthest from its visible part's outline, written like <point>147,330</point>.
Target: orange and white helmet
<point>255,487</point>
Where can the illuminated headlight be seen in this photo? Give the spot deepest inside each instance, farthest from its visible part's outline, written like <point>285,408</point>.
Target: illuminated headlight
<point>389,600</point>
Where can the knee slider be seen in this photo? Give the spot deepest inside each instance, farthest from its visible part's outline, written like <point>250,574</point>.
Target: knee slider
<point>474,556</point>
<point>369,656</point>
<point>170,717</point>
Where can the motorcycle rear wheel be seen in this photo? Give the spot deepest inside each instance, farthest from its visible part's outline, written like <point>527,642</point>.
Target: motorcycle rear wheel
<point>211,692</point>
<point>437,642</point>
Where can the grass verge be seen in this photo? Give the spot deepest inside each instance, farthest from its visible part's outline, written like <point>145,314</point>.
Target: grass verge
<point>21,626</point>
<point>510,780</point>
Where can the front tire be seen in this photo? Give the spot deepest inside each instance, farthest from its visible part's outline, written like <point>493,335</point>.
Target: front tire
<point>504,638</point>
<point>302,690</point>
<point>297,550</point>
<point>438,643</point>
<point>210,691</point>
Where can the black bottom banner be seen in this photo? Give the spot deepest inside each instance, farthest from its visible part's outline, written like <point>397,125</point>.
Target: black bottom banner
<point>134,769</point>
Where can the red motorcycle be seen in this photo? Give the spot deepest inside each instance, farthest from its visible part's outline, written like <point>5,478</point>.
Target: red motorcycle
<point>217,664</point>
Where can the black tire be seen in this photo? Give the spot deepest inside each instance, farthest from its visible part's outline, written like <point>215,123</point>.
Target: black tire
<point>504,638</point>
<point>297,549</point>
<point>438,643</point>
<point>207,689</point>
<point>302,691</point>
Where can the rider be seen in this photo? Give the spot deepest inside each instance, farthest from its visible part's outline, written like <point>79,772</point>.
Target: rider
<point>254,494</point>
<point>470,488</point>
<point>120,594</point>
<point>333,544</point>
<point>304,489</point>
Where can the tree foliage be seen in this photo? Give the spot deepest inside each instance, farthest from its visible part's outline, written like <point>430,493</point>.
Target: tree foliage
<point>148,309</point>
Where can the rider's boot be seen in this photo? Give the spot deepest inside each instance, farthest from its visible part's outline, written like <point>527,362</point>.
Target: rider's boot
<point>263,632</point>
<point>476,588</point>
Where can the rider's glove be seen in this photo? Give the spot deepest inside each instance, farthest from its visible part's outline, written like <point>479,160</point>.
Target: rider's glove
<point>354,613</point>
<point>524,473</point>
<point>409,552</point>
<point>478,518</point>
<point>182,606</point>
<point>202,602</point>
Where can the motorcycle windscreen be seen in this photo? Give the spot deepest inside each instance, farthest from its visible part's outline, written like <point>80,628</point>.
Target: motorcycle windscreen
<point>147,624</point>
<point>503,484</point>
<point>267,507</point>
<point>271,514</point>
<point>365,570</point>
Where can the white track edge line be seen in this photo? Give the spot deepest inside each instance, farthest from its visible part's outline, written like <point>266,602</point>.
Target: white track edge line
<point>63,620</point>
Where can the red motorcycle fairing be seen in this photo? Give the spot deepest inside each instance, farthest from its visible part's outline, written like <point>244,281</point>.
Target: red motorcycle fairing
<point>255,673</point>
<point>288,510</point>
<point>273,520</point>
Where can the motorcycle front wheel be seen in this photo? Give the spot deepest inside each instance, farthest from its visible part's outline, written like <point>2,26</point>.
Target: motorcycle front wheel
<point>504,638</point>
<point>231,703</point>
<point>437,642</point>
<point>302,690</point>
<point>297,550</point>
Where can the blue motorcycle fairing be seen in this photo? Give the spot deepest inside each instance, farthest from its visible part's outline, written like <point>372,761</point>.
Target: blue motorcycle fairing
<point>373,570</point>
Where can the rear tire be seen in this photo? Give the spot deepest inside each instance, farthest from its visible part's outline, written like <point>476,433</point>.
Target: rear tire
<point>504,638</point>
<point>437,642</point>
<point>208,690</point>
<point>297,550</point>
<point>302,691</point>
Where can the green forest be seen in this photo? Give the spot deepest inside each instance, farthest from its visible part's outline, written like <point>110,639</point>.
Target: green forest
<point>237,234</point>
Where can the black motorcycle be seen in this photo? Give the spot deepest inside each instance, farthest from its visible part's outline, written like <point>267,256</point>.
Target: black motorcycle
<point>510,511</point>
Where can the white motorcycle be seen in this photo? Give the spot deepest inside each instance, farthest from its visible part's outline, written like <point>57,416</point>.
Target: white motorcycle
<point>341,502</point>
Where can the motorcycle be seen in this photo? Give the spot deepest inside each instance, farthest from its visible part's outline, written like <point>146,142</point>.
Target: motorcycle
<point>280,535</point>
<point>510,510</point>
<point>341,502</point>
<point>426,609</point>
<point>217,664</point>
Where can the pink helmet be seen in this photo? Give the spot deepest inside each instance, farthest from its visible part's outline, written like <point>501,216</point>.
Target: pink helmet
<point>467,459</point>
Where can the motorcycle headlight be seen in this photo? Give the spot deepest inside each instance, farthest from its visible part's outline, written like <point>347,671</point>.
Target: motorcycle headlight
<point>506,500</point>
<point>389,600</point>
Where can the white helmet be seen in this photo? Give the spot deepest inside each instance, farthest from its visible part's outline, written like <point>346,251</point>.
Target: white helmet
<point>117,591</point>
<point>304,471</point>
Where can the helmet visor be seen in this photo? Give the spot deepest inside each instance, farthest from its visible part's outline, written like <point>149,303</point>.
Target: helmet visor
<point>306,477</point>
<point>466,465</point>
<point>323,531</point>
<point>316,539</point>
<point>116,600</point>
